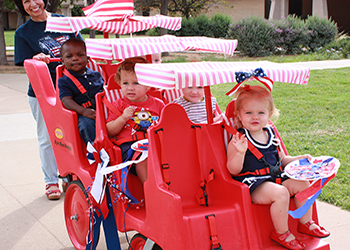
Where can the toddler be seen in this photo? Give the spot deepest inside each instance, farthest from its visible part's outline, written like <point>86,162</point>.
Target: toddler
<point>135,113</point>
<point>79,85</point>
<point>193,102</point>
<point>254,108</point>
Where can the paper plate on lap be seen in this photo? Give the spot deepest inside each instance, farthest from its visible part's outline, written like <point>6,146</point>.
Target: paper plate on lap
<point>320,167</point>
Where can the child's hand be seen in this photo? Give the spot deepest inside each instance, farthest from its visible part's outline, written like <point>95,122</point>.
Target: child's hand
<point>240,144</point>
<point>219,118</point>
<point>89,113</point>
<point>307,156</point>
<point>129,112</point>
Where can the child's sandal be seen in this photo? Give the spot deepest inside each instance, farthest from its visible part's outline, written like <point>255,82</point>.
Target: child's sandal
<point>319,232</point>
<point>281,239</point>
<point>53,192</point>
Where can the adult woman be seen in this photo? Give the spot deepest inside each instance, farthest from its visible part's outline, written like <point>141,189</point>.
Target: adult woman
<point>31,41</point>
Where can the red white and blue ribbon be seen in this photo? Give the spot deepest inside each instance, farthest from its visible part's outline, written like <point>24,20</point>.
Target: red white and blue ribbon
<point>102,159</point>
<point>257,74</point>
<point>311,194</point>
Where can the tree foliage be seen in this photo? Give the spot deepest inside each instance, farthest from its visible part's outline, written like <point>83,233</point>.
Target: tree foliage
<point>9,5</point>
<point>186,8</point>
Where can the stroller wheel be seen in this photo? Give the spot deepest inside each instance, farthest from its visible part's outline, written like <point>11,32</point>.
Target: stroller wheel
<point>139,241</point>
<point>76,216</point>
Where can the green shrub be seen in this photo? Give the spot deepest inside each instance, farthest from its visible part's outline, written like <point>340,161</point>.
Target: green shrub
<point>255,36</point>
<point>153,32</point>
<point>290,37</point>
<point>340,46</point>
<point>217,26</point>
<point>189,27</point>
<point>321,30</point>
<point>198,26</point>
<point>87,31</point>
<point>220,25</point>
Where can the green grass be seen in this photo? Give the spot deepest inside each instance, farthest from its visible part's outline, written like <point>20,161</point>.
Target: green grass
<point>315,119</point>
<point>10,37</point>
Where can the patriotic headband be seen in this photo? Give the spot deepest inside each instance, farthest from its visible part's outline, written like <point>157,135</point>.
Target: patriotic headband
<point>257,74</point>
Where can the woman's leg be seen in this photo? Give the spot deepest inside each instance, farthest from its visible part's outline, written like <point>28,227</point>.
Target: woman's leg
<point>48,162</point>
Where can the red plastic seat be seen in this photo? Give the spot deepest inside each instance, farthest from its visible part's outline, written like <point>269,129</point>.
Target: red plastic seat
<point>62,124</point>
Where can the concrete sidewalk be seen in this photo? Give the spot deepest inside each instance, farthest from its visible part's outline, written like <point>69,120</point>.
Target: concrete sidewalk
<point>29,221</point>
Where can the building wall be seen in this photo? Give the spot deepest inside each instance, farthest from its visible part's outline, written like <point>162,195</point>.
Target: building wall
<point>338,10</point>
<point>241,9</point>
<point>12,20</point>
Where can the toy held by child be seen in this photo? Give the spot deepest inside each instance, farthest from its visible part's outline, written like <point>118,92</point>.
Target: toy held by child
<point>134,113</point>
<point>79,85</point>
<point>265,178</point>
<point>193,102</point>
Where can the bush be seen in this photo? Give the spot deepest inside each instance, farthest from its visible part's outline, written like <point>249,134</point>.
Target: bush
<point>198,26</point>
<point>217,26</point>
<point>254,36</point>
<point>340,46</point>
<point>258,37</point>
<point>153,32</point>
<point>220,25</point>
<point>321,30</point>
<point>290,36</point>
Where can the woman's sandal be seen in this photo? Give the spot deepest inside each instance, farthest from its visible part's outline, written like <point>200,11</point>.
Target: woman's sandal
<point>53,192</point>
<point>281,239</point>
<point>319,232</point>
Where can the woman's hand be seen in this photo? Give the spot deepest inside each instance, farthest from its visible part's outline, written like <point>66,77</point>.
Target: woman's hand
<point>42,57</point>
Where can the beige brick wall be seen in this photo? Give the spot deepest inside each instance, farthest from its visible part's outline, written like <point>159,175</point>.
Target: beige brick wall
<point>241,9</point>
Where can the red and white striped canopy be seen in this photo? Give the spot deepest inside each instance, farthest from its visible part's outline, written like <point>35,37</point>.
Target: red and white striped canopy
<point>111,16</point>
<point>180,75</point>
<point>118,25</point>
<point>109,8</point>
<point>113,49</point>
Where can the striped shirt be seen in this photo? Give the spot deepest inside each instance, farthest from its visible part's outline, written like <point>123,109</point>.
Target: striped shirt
<point>196,111</point>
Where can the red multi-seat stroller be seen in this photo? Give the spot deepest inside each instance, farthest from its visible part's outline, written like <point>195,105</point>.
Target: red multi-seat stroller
<point>189,200</point>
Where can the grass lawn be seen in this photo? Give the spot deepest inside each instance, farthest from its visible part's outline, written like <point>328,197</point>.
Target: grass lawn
<point>314,118</point>
<point>9,37</point>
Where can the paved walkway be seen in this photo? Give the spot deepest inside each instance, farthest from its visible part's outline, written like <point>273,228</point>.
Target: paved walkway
<point>29,221</point>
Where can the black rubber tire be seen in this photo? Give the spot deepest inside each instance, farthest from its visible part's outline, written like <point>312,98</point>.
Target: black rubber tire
<point>138,241</point>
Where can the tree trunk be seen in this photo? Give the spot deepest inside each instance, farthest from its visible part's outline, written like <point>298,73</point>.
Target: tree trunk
<point>3,59</point>
<point>164,11</point>
<point>52,5</point>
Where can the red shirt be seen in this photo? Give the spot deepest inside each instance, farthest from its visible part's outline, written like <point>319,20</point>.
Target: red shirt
<point>147,113</point>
